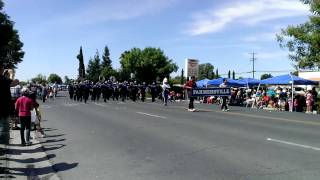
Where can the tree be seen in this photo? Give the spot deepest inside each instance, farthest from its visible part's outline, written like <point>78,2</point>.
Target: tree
<point>205,70</point>
<point>182,78</point>
<point>229,74</point>
<point>175,80</point>
<point>81,68</point>
<point>303,40</point>
<point>39,79</point>
<point>67,80</point>
<point>296,73</point>
<point>217,74</point>
<point>265,76</point>
<point>94,68</point>
<point>10,45</point>
<point>106,61</point>
<point>147,65</point>
<point>213,75</point>
<point>106,68</point>
<point>55,78</point>
<point>233,75</point>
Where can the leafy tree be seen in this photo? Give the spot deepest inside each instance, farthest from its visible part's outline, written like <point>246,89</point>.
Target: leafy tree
<point>148,64</point>
<point>39,79</point>
<point>55,78</point>
<point>229,74</point>
<point>303,40</point>
<point>94,68</point>
<point>233,75</point>
<point>67,80</point>
<point>81,68</point>
<point>296,73</point>
<point>107,72</point>
<point>217,74</point>
<point>213,75</point>
<point>175,80</point>
<point>10,45</point>
<point>265,76</point>
<point>205,70</point>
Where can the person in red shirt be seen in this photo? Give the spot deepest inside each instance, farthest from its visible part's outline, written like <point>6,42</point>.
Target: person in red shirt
<point>24,105</point>
<point>189,86</point>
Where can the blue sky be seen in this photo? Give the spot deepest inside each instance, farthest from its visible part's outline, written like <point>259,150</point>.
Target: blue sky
<point>220,32</point>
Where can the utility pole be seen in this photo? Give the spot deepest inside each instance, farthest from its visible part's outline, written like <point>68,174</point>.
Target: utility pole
<point>253,59</point>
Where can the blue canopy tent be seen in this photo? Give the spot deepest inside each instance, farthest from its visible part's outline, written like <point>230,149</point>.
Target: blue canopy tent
<point>202,83</point>
<point>250,81</point>
<point>288,79</point>
<point>231,82</point>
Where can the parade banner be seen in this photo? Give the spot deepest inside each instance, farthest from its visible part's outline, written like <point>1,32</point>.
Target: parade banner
<point>211,92</point>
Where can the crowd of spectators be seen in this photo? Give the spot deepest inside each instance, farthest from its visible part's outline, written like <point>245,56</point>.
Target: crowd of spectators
<point>278,98</point>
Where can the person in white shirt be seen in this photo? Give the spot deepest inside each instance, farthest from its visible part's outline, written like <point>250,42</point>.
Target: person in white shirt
<point>165,90</point>
<point>224,106</point>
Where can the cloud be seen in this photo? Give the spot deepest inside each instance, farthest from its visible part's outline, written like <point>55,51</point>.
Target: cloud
<point>248,13</point>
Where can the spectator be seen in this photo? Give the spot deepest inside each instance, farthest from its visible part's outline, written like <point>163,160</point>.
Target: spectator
<point>24,106</point>
<point>6,77</point>
<point>309,101</point>
<point>315,97</point>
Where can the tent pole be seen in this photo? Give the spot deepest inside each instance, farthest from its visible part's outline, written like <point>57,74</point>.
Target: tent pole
<point>291,107</point>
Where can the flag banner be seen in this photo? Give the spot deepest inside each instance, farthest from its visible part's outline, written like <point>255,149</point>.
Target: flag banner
<point>211,92</point>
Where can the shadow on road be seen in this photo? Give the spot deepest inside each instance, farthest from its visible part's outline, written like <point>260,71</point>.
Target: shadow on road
<point>31,172</point>
<point>28,167</point>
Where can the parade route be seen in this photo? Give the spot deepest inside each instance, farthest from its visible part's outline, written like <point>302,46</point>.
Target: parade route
<point>135,140</point>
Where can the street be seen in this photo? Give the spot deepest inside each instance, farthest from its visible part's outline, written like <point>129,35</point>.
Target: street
<point>148,141</point>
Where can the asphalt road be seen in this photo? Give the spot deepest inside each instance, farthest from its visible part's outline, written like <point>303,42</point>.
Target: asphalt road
<point>148,141</point>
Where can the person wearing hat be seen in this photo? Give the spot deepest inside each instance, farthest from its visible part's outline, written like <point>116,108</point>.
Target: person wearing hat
<point>153,90</point>
<point>24,106</point>
<point>224,106</point>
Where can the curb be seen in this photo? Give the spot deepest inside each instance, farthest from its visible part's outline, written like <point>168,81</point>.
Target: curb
<point>30,169</point>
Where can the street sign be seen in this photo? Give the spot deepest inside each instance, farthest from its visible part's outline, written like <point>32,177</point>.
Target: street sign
<point>192,67</point>
<point>211,92</point>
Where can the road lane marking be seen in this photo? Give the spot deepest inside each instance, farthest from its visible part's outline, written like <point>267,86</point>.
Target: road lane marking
<point>100,104</point>
<point>71,104</point>
<point>152,115</point>
<point>45,106</point>
<point>294,144</point>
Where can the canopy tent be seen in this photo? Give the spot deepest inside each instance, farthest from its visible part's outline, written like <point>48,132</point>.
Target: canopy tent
<point>231,82</point>
<point>288,79</point>
<point>250,81</point>
<point>202,83</point>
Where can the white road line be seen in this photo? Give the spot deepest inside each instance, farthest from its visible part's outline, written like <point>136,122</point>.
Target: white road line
<point>70,104</point>
<point>45,106</point>
<point>294,144</point>
<point>152,115</point>
<point>100,104</point>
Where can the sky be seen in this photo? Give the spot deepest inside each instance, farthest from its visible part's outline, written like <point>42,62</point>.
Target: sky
<point>220,32</point>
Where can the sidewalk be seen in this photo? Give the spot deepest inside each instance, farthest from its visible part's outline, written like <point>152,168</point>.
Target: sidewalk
<point>26,162</point>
